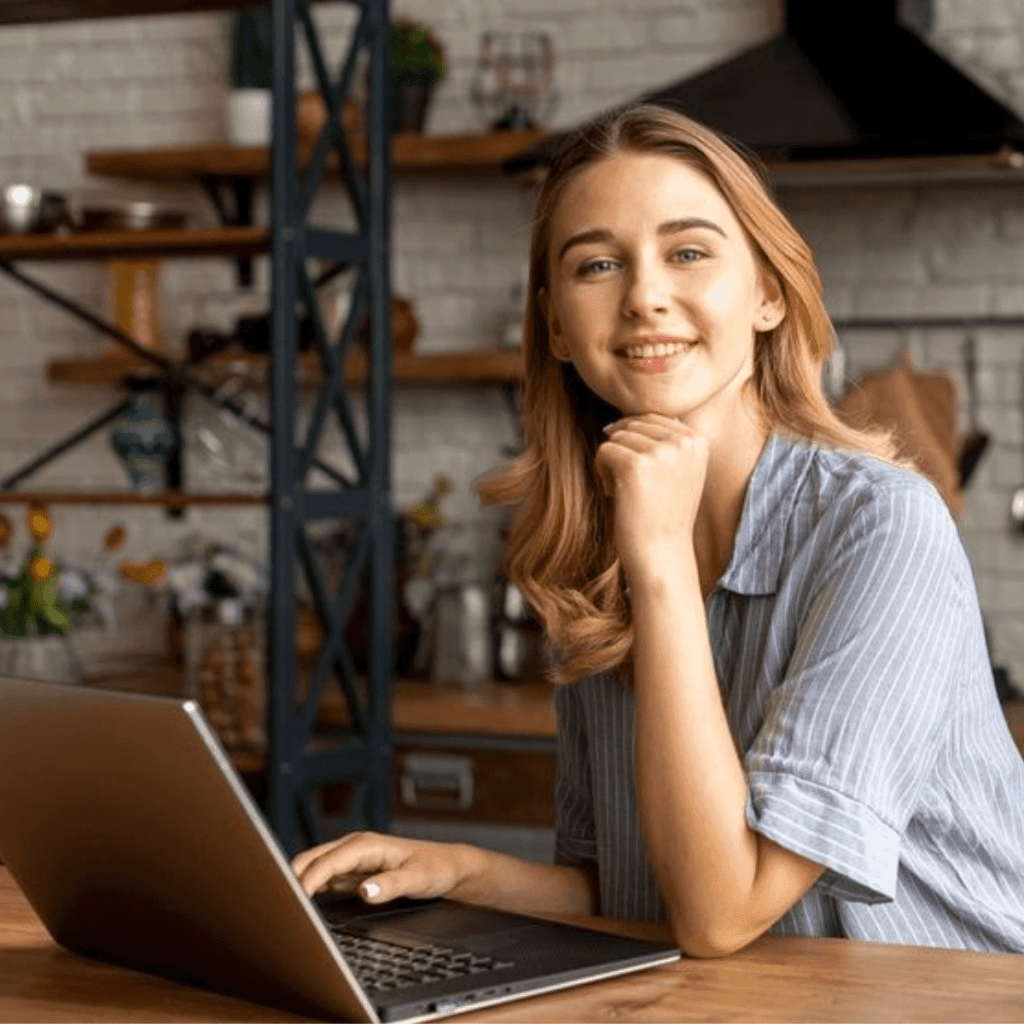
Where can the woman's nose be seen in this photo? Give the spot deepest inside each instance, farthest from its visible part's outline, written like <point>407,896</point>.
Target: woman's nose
<point>648,292</point>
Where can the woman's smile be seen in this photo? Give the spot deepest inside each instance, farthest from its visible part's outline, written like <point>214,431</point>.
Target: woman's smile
<point>655,355</point>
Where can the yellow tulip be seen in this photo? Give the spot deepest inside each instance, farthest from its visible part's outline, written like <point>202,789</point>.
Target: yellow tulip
<point>146,573</point>
<point>39,524</point>
<point>40,568</point>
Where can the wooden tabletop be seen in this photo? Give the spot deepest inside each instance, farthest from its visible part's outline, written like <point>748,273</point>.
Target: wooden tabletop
<point>774,979</point>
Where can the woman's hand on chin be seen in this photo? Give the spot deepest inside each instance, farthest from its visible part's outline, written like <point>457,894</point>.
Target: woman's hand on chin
<point>654,467</point>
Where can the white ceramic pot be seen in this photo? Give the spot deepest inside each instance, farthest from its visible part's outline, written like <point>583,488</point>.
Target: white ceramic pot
<point>249,117</point>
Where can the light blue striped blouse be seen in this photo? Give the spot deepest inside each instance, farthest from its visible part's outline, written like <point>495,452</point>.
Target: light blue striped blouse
<point>854,671</point>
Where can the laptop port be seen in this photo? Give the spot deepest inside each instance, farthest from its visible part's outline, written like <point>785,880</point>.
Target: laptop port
<point>446,1005</point>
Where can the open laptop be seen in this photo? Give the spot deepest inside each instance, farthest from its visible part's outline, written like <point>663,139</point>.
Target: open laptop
<point>130,833</point>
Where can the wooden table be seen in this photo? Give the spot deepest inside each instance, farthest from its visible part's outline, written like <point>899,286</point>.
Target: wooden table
<point>772,980</point>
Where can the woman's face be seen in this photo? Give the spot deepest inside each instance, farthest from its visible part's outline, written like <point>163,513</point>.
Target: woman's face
<point>655,292</point>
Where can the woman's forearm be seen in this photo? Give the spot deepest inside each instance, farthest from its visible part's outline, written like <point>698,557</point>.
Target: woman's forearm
<point>509,883</point>
<point>690,783</point>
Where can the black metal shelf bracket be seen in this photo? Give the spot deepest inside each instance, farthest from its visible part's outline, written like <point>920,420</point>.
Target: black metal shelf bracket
<point>238,214</point>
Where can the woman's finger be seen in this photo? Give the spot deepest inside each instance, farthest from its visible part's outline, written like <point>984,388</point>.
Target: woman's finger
<point>417,877</point>
<point>303,859</point>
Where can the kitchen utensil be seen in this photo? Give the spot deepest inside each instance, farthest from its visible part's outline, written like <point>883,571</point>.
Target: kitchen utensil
<point>130,217</point>
<point>462,646</point>
<point>973,446</point>
<point>27,208</point>
<point>135,294</point>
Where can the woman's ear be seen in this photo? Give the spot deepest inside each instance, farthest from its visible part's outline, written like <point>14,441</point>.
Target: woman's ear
<point>556,339</point>
<point>772,309</point>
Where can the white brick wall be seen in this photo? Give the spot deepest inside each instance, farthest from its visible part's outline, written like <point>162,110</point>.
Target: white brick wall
<point>460,242</point>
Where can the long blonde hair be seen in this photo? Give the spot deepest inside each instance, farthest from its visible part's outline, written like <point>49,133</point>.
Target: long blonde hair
<point>561,552</point>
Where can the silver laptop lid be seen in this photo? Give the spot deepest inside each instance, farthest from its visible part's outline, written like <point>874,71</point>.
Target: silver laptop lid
<point>160,861</point>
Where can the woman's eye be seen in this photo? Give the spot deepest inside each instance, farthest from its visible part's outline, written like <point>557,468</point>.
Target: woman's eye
<point>688,255</point>
<point>598,266</point>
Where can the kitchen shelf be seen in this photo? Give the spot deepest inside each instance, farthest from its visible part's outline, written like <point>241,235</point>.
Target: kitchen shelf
<point>485,151</point>
<point>167,499</point>
<point>488,367</point>
<point>168,242</point>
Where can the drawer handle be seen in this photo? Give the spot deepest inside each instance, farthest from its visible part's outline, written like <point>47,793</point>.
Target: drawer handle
<point>437,782</point>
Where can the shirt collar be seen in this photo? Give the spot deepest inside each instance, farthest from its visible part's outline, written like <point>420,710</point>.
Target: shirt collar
<point>756,561</point>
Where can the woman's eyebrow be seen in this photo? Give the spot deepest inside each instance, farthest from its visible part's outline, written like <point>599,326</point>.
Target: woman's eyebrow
<point>672,227</point>
<point>585,238</point>
<point>669,227</point>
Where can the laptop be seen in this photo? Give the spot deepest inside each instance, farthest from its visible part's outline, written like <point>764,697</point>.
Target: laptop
<point>127,828</point>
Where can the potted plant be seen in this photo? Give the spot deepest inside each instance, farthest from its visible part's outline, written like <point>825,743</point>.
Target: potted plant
<point>252,76</point>
<point>417,66</point>
<point>36,609</point>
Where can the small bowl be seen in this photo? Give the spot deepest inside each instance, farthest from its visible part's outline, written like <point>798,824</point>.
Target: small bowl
<point>28,208</point>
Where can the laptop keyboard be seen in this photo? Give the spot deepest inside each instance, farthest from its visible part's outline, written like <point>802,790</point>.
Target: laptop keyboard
<point>382,966</point>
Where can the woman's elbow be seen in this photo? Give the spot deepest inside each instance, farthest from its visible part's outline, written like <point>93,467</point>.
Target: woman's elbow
<point>704,943</point>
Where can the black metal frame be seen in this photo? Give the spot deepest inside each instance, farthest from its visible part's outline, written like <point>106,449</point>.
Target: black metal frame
<point>298,764</point>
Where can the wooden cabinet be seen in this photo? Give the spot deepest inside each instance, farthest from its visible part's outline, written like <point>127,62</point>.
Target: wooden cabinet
<point>481,754</point>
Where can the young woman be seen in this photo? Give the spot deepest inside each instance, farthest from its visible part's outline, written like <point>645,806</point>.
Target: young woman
<point>778,708</point>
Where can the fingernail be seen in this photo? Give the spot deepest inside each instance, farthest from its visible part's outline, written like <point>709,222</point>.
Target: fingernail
<point>609,427</point>
<point>370,890</point>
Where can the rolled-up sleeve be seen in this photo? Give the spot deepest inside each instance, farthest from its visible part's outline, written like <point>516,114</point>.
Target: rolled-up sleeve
<point>850,734</point>
<point>575,832</point>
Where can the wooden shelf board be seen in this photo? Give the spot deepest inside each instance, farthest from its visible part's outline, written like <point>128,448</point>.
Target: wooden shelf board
<point>488,367</point>
<point>25,12</point>
<point>1004,165</point>
<point>491,366</point>
<point>88,245</point>
<point>167,499</point>
<point>520,709</point>
<point>409,152</point>
<point>467,152</point>
<point>174,163</point>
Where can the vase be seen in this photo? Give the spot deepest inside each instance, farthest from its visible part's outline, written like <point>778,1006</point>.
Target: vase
<point>144,441</point>
<point>408,102</point>
<point>47,659</point>
<point>249,117</point>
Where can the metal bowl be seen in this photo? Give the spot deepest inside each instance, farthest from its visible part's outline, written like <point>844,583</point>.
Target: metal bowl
<point>27,208</point>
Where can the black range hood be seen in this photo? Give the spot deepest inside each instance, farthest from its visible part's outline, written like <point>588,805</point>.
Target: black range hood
<point>847,79</point>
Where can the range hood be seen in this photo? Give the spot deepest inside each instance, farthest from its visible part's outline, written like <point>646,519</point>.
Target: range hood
<point>847,79</point>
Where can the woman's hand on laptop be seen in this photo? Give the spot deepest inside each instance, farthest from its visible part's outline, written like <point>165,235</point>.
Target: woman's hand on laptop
<point>381,867</point>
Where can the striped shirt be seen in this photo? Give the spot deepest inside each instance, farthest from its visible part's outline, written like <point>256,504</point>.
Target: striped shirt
<point>855,676</point>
